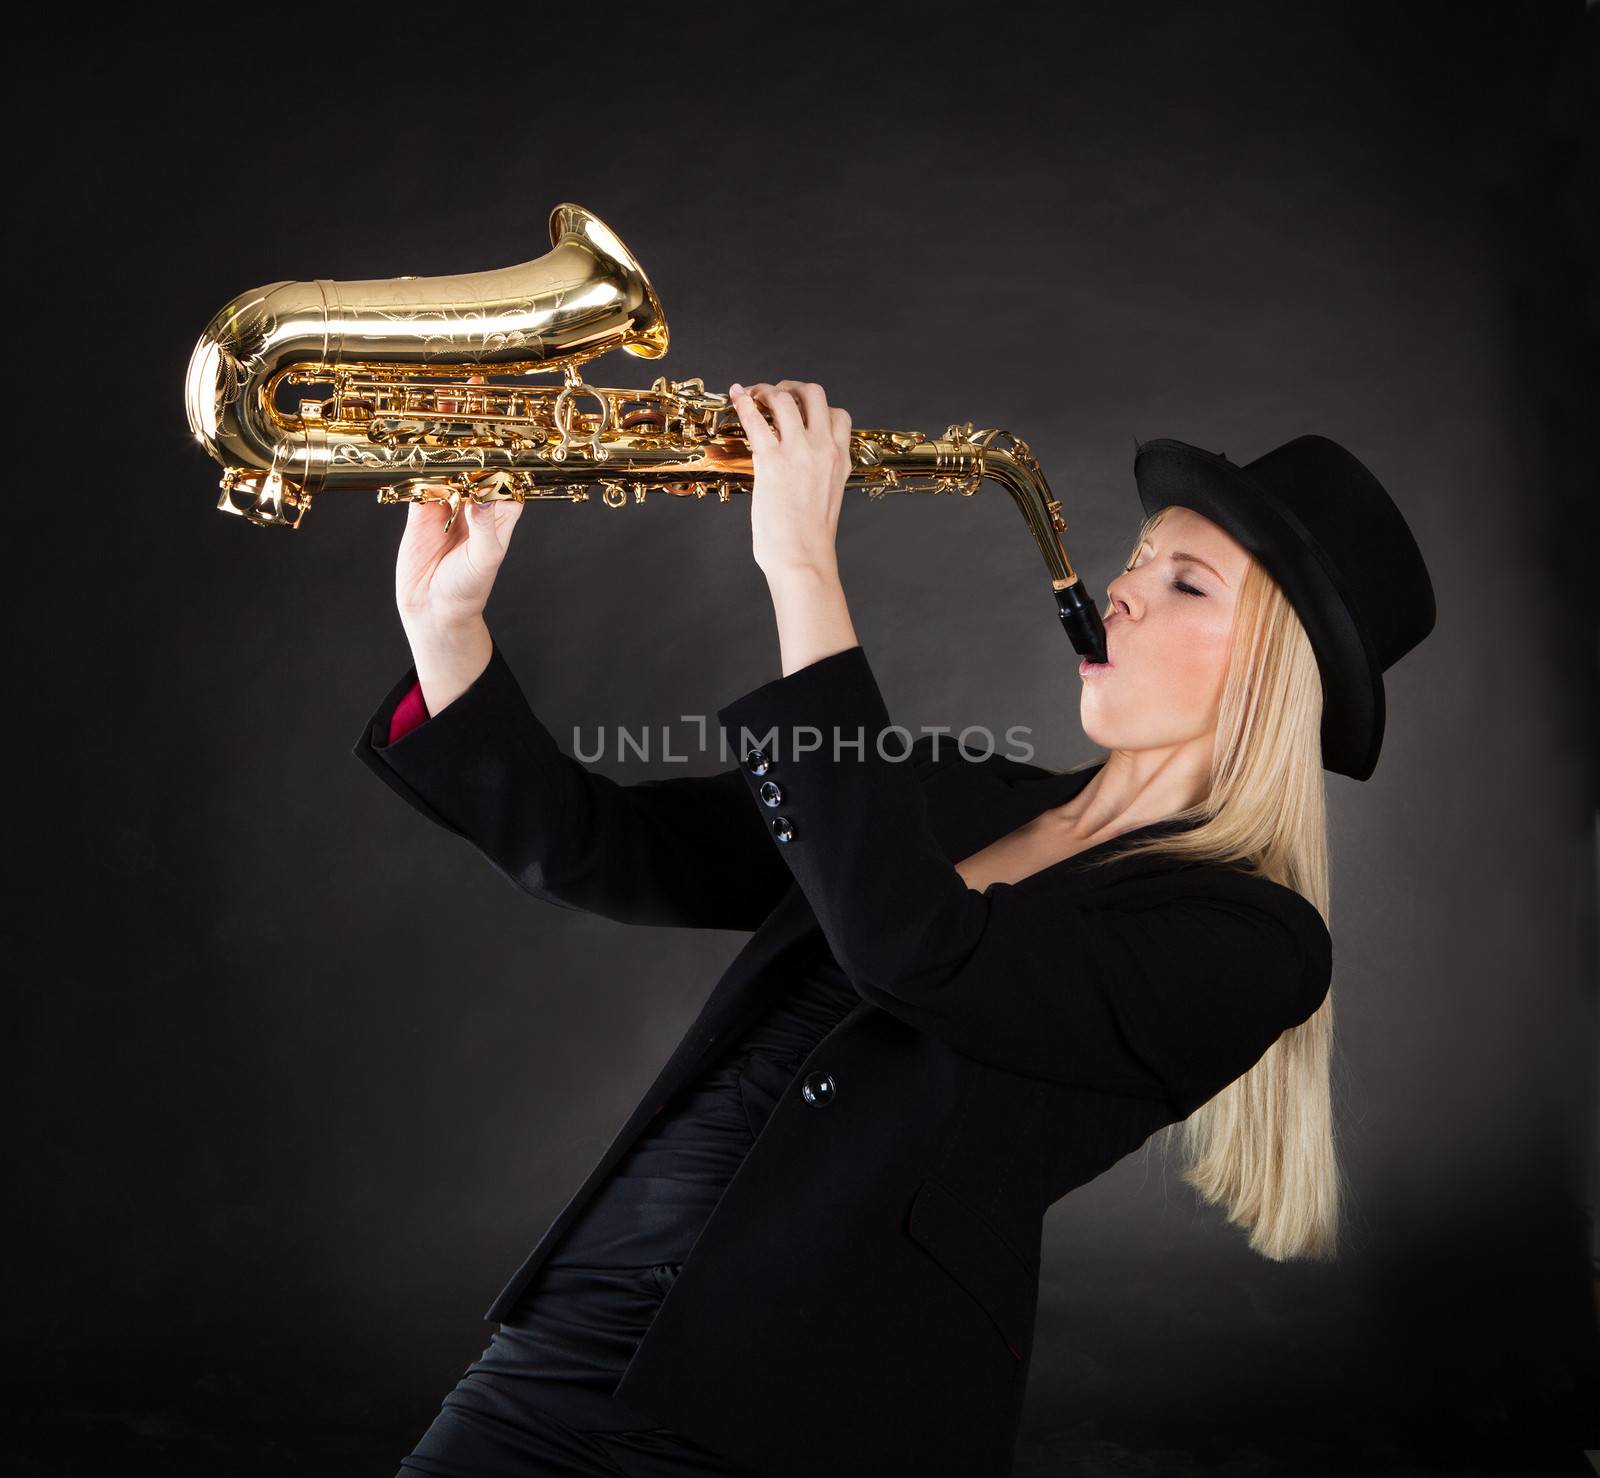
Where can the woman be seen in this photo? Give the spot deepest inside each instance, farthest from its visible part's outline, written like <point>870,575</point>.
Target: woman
<point>814,1245</point>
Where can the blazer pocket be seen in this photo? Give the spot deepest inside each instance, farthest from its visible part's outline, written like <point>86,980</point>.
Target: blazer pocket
<point>979,1259</point>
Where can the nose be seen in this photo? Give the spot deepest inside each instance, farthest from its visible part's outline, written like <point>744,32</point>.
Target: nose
<point>1117,601</point>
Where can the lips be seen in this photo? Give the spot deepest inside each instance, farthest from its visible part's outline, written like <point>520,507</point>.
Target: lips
<point>1085,667</point>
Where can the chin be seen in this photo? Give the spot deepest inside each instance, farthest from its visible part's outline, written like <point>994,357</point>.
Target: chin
<point>1104,729</point>
<point>1095,732</point>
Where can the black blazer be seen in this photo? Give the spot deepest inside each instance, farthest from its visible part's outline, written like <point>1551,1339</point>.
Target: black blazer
<point>862,1300</point>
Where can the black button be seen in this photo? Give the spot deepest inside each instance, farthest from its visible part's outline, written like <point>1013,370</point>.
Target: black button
<point>783,828</point>
<point>756,762</point>
<point>818,1089</point>
<point>770,793</point>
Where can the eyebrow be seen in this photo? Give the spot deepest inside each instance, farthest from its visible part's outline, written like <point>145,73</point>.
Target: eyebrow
<point>1193,559</point>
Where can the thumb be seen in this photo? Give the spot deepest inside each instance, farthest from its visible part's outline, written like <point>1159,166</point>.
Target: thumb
<point>489,526</point>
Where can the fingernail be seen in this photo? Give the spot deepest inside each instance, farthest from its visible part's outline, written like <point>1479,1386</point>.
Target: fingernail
<point>736,388</point>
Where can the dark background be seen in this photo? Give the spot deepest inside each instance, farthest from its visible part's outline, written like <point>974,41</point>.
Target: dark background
<point>300,1080</point>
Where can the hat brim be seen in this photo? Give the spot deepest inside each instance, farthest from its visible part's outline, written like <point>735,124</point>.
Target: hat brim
<point>1171,472</point>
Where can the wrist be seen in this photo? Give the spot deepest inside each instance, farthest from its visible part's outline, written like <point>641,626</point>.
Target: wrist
<point>427,629</point>
<point>811,574</point>
<point>449,660</point>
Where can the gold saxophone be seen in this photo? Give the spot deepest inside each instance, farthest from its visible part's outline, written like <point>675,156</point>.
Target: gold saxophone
<point>391,358</point>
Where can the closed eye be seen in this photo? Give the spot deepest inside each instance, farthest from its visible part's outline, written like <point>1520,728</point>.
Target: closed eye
<point>1182,585</point>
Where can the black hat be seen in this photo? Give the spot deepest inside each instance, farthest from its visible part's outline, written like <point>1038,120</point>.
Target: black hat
<point>1324,528</point>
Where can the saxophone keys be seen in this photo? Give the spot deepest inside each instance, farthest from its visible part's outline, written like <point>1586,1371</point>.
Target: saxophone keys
<point>454,500</point>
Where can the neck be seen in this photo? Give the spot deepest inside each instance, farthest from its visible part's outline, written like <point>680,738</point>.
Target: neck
<point>1135,787</point>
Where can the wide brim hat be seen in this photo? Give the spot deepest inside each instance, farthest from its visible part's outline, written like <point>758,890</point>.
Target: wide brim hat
<point>1328,532</point>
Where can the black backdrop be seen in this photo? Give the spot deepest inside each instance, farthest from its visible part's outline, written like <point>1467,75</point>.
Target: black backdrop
<point>300,1080</point>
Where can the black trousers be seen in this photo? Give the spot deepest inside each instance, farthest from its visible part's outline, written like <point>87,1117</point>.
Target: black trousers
<point>538,1400</point>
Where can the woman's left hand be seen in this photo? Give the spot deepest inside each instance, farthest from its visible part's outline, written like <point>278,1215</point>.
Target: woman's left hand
<point>802,461</point>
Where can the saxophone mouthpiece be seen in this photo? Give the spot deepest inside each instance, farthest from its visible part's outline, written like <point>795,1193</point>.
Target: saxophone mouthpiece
<point>1081,617</point>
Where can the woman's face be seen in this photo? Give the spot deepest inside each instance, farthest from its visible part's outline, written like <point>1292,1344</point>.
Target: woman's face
<point>1168,622</point>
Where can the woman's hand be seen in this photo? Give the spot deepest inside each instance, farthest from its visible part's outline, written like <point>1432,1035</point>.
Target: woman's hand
<point>442,581</point>
<point>802,461</point>
<point>801,469</point>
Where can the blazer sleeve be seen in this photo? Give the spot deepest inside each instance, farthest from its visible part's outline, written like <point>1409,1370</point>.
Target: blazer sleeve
<point>687,850</point>
<point>1168,988</point>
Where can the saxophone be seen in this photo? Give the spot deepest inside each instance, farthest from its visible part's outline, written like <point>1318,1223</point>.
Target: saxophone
<point>386,402</point>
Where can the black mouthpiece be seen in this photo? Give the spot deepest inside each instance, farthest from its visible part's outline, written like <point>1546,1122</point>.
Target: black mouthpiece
<point>1085,629</point>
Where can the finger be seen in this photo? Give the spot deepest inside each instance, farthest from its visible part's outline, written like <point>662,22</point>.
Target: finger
<point>763,408</point>
<point>839,426</point>
<point>756,430</point>
<point>785,410</point>
<point>813,404</point>
<point>425,510</point>
<point>451,400</point>
<point>793,387</point>
<point>488,527</point>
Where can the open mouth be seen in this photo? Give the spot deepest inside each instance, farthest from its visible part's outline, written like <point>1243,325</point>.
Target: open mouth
<point>1086,667</point>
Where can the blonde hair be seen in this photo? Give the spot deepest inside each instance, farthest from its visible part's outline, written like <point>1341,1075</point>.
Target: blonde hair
<point>1263,1148</point>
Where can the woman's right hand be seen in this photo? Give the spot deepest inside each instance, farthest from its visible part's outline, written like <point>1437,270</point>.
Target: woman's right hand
<point>442,580</point>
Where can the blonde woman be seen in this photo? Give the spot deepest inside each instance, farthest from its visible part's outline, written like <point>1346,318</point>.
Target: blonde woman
<point>972,984</point>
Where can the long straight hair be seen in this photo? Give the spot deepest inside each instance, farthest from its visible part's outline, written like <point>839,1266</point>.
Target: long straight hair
<point>1263,1148</point>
